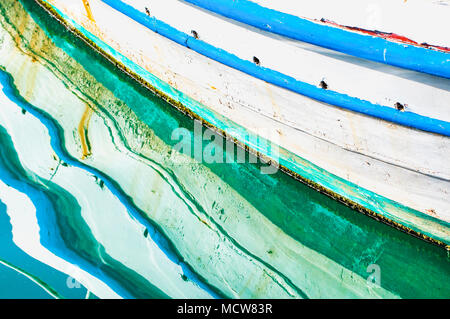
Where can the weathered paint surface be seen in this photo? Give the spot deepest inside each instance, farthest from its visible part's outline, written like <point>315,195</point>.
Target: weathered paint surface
<point>309,74</point>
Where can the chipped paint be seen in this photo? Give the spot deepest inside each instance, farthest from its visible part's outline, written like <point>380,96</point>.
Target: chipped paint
<point>386,35</point>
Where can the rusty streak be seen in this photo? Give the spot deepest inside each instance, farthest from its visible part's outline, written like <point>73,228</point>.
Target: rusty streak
<point>83,132</point>
<point>88,10</point>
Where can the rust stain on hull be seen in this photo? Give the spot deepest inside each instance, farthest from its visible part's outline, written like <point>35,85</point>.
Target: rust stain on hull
<point>88,10</point>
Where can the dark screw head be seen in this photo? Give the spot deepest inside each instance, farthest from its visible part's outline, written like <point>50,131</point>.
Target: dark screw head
<point>194,34</point>
<point>256,61</point>
<point>399,106</point>
<point>323,85</point>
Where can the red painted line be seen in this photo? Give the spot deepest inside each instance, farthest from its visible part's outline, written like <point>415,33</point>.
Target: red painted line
<point>386,35</point>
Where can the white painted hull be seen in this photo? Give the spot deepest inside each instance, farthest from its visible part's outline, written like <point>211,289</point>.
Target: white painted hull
<point>407,166</point>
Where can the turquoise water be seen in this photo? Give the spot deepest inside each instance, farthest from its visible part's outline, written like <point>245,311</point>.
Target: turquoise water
<point>97,201</point>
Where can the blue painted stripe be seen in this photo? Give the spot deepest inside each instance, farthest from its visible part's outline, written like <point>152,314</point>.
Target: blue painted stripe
<point>274,77</point>
<point>361,45</point>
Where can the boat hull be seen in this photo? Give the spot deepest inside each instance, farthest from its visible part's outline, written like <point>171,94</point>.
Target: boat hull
<point>398,174</point>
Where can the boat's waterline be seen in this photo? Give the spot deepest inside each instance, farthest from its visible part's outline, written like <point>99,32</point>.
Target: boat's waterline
<point>392,212</point>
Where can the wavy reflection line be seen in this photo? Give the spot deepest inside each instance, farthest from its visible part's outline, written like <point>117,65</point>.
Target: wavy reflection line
<point>76,233</point>
<point>46,198</point>
<point>155,231</point>
<point>34,279</point>
<point>181,192</point>
<point>56,135</point>
<point>168,176</point>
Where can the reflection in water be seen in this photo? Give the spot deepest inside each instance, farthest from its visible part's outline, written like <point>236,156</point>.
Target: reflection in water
<point>104,198</point>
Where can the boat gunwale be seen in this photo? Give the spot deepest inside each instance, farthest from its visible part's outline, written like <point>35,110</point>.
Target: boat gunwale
<point>333,98</point>
<point>421,57</point>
